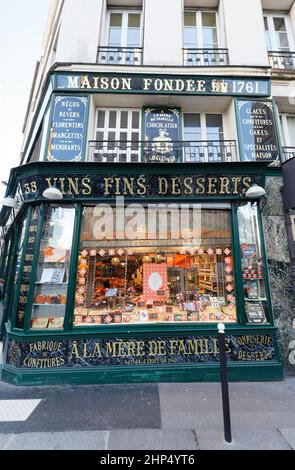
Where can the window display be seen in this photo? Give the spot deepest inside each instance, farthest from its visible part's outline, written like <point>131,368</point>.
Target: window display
<point>156,279</point>
<point>256,304</point>
<point>51,285</point>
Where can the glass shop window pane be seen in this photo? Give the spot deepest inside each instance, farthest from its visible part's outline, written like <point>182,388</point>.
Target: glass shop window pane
<point>209,30</point>
<point>279,24</point>
<point>190,30</point>
<point>112,119</point>
<point>192,127</point>
<point>124,119</point>
<point>135,120</point>
<point>133,33</point>
<point>154,272</point>
<point>256,304</point>
<point>214,127</point>
<point>51,287</point>
<point>267,34</point>
<point>281,34</point>
<point>100,119</point>
<point>291,129</point>
<point>115,29</point>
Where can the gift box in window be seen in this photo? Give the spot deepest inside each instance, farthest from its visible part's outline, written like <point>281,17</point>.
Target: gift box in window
<point>56,322</point>
<point>193,316</point>
<point>39,322</point>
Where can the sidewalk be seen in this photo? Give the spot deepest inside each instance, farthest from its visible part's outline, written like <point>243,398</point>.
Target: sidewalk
<point>184,416</point>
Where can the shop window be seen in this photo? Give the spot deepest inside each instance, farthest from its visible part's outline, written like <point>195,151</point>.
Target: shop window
<point>51,286</point>
<point>155,272</point>
<point>253,268</point>
<point>117,135</point>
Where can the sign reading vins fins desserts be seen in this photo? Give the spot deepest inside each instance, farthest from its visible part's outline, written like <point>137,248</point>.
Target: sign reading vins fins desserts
<point>161,135</point>
<point>258,140</point>
<point>68,129</point>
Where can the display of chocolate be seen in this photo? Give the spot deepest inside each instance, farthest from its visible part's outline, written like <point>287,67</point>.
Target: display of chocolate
<point>51,299</point>
<point>252,292</point>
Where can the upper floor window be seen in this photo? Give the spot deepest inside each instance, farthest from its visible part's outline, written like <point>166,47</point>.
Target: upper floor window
<point>200,29</point>
<point>278,33</point>
<point>200,39</point>
<point>287,132</point>
<point>123,38</point>
<point>279,41</point>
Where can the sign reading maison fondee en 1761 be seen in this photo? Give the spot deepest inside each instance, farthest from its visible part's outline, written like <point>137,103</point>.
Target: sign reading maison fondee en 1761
<point>170,84</point>
<point>135,351</point>
<point>258,138</point>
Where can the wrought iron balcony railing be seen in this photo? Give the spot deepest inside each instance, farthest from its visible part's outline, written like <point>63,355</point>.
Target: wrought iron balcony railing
<point>282,60</point>
<point>288,153</point>
<point>162,151</point>
<point>119,55</point>
<point>205,57</point>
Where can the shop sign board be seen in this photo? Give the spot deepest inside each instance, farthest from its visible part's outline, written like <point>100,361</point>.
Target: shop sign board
<point>139,186</point>
<point>162,84</point>
<point>257,131</point>
<point>161,135</point>
<point>67,129</point>
<point>93,352</point>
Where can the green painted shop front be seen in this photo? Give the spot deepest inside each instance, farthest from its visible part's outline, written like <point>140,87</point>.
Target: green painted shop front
<point>136,339</point>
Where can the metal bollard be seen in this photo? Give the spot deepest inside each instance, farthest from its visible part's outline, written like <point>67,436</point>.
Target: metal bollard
<point>224,383</point>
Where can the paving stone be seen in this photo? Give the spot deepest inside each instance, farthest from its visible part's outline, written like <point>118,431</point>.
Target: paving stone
<point>152,439</point>
<point>289,435</point>
<point>87,440</point>
<point>4,439</point>
<point>242,440</point>
<point>92,408</point>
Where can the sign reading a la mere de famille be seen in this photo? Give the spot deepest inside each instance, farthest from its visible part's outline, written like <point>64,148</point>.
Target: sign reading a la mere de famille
<point>93,352</point>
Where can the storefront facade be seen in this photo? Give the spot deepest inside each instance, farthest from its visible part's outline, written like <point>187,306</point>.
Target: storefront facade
<point>154,240</point>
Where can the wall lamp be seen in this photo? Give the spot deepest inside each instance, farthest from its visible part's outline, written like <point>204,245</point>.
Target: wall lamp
<point>255,191</point>
<point>52,193</point>
<point>9,201</point>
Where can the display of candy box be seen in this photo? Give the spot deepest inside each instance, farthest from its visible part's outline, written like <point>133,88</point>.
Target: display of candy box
<point>193,316</point>
<point>180,317</point>
<point>81,311</point>
<point>56,322</point>
<point>39,322</point>
<point>78,319</point>
<point>129,307</point>
<point>153,316</point>
<point>107,319</point>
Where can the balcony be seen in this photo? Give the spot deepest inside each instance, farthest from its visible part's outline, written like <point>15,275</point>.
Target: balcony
<point>282,60</point>
<point>119,55</point>
<point>162,152</point>
<point>288,153</point>
<point>205,57</point>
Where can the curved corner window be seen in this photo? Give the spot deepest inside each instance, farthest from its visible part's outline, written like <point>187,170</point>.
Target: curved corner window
<point>255,296</point>
<point>51,286</point>
<point>168,266</point>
